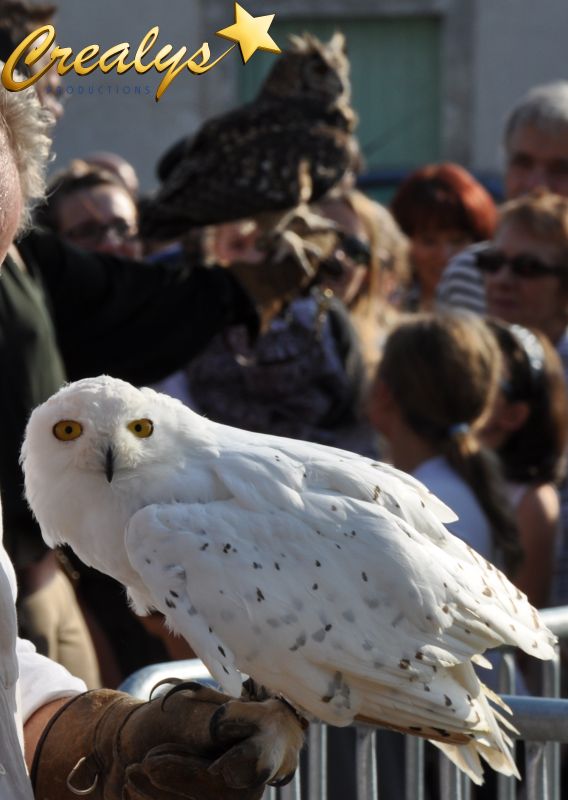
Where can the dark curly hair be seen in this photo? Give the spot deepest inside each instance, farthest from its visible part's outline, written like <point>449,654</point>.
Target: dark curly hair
<point>17,19</point>
<point>535,452</point>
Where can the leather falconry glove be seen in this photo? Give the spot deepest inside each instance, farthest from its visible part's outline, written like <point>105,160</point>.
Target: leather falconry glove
<point>194,743</point>
<point>295,243</point>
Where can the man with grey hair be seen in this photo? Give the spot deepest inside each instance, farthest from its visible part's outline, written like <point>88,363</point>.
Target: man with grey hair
<point>61,308</point>
<point>536,151</point>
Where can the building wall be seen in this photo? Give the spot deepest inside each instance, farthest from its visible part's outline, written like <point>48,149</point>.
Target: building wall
<point>491,51</point>
<point>133,125</point>
<point>518,44</point>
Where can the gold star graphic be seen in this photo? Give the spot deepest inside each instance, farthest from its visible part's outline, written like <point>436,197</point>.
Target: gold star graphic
<point>250,33</point>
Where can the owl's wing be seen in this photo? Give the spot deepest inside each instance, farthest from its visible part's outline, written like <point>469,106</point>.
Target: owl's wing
<point>332,487</point>
<point>162,542</point>
<point>229,577</point>
<point>223,574</point>
<point>296,464</point>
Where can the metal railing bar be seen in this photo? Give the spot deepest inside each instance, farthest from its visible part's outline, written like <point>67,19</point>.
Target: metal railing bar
<point>292,790</point>
<point>540,719</point>
<point>537,772</point>
<point>551,674</point>
<point>317,762</point>
<point>450,780</point>
<point>414,784</point>
<point>556,619</point>
<point>466,787</point>
<point>366,764</point>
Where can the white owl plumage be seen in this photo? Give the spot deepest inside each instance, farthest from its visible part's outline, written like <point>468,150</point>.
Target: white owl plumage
<point>327,577</point>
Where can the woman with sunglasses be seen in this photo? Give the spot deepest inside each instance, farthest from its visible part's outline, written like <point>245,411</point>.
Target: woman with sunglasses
<point>526,268</point>
<point>443,209</point>
<point>526,281</point>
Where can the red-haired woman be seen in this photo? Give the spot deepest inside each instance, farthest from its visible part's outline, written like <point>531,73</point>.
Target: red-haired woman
<point>442,209</point>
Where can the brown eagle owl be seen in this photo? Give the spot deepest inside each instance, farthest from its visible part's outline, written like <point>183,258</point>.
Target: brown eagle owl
<point>249,160</point>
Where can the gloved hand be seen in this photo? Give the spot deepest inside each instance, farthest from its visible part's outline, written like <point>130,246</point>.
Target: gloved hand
<point>294,244</point>
<point>192,744</point>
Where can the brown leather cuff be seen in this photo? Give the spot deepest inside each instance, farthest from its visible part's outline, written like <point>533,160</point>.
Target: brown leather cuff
<point>65,756</point>
<point>192,742</point>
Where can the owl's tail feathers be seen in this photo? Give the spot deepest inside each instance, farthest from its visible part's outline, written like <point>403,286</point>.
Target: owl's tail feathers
<point>467,758</point>
<point>458,713</point>
<point>495,747</point>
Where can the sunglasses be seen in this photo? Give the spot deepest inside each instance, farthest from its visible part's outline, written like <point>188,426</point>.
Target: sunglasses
<point>523,265</point>
<point>356,249</point>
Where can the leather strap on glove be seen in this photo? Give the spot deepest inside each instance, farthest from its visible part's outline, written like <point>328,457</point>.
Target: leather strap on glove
<point>193,744</point>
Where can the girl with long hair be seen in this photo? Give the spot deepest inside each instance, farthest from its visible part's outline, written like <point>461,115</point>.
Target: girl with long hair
<point>435,384</point>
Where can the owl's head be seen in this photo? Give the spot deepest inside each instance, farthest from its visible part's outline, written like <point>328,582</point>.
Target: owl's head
<point>314,71</point>
<point>99,433</point>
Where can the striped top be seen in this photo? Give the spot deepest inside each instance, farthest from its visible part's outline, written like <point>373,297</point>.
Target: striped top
<point>461,285</point>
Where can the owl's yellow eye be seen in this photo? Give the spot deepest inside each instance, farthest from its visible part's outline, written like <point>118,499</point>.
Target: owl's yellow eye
<point>67,430</point>
<point>141,428</point>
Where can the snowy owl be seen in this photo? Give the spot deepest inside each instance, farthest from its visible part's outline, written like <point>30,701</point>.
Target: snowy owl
<point>328,578</point>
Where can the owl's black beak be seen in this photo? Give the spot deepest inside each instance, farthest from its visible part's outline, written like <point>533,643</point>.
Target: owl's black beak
<point>109,464</point>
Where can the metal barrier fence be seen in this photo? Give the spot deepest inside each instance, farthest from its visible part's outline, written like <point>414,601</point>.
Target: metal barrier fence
<point>542,723</point>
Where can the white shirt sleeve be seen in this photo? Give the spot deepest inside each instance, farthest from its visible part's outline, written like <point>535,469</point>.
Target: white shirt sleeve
<point>42,680</point>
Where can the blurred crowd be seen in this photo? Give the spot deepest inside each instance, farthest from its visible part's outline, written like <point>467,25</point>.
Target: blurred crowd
<point>432,333</point>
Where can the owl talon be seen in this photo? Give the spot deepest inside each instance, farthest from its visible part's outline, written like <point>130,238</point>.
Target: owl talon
<point>271,731</point>
<point>254,691</point>
<point>223,730</point>
<point>202,692</point>
<point>283,781</point>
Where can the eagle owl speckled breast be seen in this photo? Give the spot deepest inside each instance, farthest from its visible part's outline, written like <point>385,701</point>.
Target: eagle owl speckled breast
<point>248,160</point>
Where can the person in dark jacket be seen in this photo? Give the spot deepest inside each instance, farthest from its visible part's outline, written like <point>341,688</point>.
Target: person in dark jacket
<point>67,314</point>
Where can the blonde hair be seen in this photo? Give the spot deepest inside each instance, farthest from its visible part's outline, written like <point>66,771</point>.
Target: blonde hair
<point>26,127</point>
<point>544,216</point>
<point>370,311</point>
<point>443,372</point>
